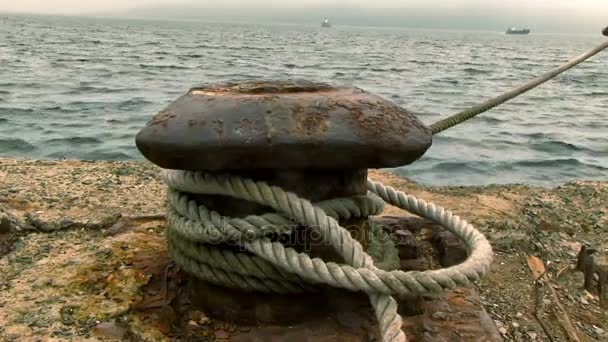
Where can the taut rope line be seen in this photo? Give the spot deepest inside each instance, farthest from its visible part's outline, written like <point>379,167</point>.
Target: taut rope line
<point>472,112</point>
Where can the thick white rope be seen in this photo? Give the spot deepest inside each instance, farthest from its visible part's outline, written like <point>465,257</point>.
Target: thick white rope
<point>268,266</point>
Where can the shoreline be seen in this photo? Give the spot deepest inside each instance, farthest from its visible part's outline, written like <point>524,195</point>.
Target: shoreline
<point>70,266</point>
<point>393,171</point>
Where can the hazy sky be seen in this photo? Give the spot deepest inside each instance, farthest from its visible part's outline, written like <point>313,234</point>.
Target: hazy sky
<point>549,14</point>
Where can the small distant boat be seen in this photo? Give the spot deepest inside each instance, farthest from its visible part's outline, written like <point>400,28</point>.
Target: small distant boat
<point>325,23</point>
<point>513,30</point>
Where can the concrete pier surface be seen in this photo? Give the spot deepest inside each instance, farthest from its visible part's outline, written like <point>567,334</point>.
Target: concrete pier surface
<point>83,257</point>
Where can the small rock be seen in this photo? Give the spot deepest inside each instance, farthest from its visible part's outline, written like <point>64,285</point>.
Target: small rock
<point>590,297</point>
<point>192,323</point>
<point>109,330</point>
<point>515,325</point>
<point>532,335</point>
<point>519,315</point>
<point>503,331</point>
<point>584,301</point>
<point>8,222</point>
<point>439,316</point>
<point>67,223</point>
<point>205,320</point>
<point>12,337</point>
<point>5,224</point>
<point>221,334</point>
<point>599,331</point>
<point>428,328</point>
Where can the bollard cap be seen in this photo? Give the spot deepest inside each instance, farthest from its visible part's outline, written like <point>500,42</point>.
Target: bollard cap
<point>282,125</point>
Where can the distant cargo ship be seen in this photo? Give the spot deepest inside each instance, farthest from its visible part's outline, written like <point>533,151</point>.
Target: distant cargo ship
<point>513,30</point>
<point>325,23</point>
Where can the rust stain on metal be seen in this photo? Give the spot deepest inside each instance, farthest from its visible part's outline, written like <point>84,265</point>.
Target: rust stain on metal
<point>376,116</point>
<point>263,88</point>
<point>308,122</point>
<point>161,119</point>
<point>247,129</point>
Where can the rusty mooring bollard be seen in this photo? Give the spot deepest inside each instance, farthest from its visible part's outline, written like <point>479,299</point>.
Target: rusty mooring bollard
<point>308,138</point>
<point>253,156</point>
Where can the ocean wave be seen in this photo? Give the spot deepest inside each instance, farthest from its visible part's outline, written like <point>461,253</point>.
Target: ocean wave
<point>73,140</point>
<point>69,60</point>
<point>70,124</point>
<point>98,90</point>
<point>189,56</point>
<point>424,62</point>
<point>164,67</point>
<point>134,103</point>
<point>555,146</point>
<point>536,135</point>
<point>476,71</point>
<point>16,111</point>
<point>53,108</point>
<point>448,167</point>
<point>492,119</point>
<point>596,93</point>
<point>31,85</point>
<point>15,145</point>
<point>557,163</point>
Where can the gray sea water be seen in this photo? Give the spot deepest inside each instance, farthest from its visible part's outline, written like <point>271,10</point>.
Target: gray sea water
<point>82,88</point>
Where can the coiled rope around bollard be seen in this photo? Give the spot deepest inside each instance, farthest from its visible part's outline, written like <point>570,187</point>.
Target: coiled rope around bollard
<point>271,267</point>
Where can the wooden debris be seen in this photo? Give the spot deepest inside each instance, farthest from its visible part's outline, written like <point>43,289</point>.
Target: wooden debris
<point>539,271</point>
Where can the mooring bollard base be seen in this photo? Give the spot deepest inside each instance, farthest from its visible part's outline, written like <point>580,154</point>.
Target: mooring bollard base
<point>243,307</point>
<point>339,315</point>
<point>350,319</point>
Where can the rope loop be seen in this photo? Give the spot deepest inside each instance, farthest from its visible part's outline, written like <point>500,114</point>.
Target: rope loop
<point>261,264</point>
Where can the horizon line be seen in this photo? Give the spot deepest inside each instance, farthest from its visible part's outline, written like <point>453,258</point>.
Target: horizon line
<point>270,22</point>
